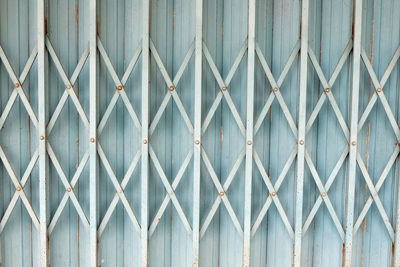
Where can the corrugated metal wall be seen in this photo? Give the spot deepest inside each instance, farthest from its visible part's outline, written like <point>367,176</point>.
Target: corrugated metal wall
<point>324,69</point>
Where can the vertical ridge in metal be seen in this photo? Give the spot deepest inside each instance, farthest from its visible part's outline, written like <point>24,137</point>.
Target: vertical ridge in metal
<point>93,135</point>
<point>42,135</point>
<point>197,131</point>
<point>249,133</point>
<point>145,135</point>
<point>301,134</point>
<point>355,84</point>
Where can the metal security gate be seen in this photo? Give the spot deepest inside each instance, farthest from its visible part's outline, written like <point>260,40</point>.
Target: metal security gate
<point>199,133</point>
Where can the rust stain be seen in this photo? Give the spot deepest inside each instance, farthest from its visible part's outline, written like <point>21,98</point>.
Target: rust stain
<point>45,25</point>
<point>221,137</point>
<point>77,18</point>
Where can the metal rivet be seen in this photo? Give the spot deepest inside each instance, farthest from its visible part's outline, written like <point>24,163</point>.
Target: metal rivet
<point>17,85</point>
<point>172,88</point>
<point>145,141</point>
<point>41,137</point>
<point>301,142</point>
<point>19,188</point>
<point>120,87</point>
<point>327,90</point>
<point>276,89</point>
<point>221,193</point>
<point>323,194</point>
<point>197,142</point>
<point>353,143</point>
<point>379,90</point>
<point>249,142</point>
<point>92,140</point>
<point>69,189</point>
<point>69,86</point>
<point>224,88</point>
<point>273,194</point>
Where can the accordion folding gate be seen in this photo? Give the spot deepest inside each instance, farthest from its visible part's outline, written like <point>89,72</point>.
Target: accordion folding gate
<point>199,133</point>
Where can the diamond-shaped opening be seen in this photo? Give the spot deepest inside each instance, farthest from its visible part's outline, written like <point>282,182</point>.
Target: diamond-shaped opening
<point>15,138</point>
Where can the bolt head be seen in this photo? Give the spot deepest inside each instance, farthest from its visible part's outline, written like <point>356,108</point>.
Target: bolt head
<point>323,194</point>
<point>197,142</point>
<point>249,142</point>
<point>17,85</point>
<point>19,188</point>
<point>379,90</point>
<point>273,194</point>
<point>353,143</point>
<point>92,140</point>
<point>301,142</point>
<point>172,88</point>
<point>327,90</point>
<point>221,193</point>
<point>69,87</point>
<point>276,89</point>
<point>69,189</point>
<point>145,141</point>
<point>41,137</point>
<point>224,88</point>
<point>120,87</point>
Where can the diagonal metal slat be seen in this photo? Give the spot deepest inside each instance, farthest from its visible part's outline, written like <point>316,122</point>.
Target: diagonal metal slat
<point>68,187</point>
<point>167,197</point>
<point>115,199</point>
<point>170,190</point>
<point>118,188</point>
<point>19,188</point>
<point>16,195</point>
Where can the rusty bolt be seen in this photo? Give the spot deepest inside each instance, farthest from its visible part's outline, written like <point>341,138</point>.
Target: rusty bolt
<point>172,88</point>
<point>92,140</point>
<point>197,142</point>
<point>276,89</point>
<point>120,87</point>
<point>249,142</point>
<point>379,90</point>
<point>145,141</point>
<point>327,90</point>
<point>221,193</point>
<point>69,189</point>
<point>353,143</point>
<point>323,194</point>
<point>19,188</point>
<point>41,137</point>
<point>301,142</point>
<point>224,88</point>
<point>17,85</point>
<point>69,86</point>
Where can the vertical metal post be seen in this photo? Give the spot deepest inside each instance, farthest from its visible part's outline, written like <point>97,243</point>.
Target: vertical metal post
<point>396,258</point>
<point>93,134</point>
<point>145,134</point>
<point>249,133</point>
<point>353,133</point>
<point>42,135</point>
<point>197,131</point>
<point>298,225</point>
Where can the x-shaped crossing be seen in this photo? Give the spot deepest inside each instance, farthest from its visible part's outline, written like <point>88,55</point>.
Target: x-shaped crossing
<point>170,188</point>
<point>69,92</point>
<point>19,184</point>
<point>120,92</point>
